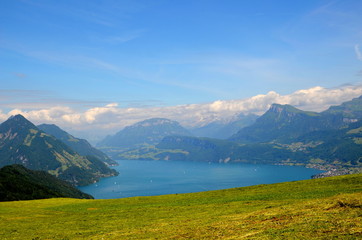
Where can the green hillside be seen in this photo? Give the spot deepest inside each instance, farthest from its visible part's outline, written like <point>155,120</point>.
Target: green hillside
<point>80,146</point>
<point>327,208</point>
<point>20,183</point>
<point>350,110</point>
<point>217,150</point>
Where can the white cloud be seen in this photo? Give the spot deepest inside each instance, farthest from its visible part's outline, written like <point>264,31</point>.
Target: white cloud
<point>111,118</point>
<point>49,115</point>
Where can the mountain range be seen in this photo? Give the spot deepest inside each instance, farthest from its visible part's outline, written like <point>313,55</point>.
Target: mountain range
<point>283,135</point>
<point>21,142</point>
<point>330,139</point>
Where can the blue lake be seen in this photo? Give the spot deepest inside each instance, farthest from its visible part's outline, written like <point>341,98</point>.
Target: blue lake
<point>150,178</point>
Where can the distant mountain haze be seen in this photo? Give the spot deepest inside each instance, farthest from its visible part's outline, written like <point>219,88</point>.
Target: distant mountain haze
<point>224,129</point>
<point>141,134</point>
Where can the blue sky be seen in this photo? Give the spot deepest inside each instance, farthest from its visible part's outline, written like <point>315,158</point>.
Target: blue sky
<point>83,54</point>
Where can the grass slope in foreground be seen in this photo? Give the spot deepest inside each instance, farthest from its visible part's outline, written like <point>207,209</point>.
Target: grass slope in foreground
<point>325,208</point>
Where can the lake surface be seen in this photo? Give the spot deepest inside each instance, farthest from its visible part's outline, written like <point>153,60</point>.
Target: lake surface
<point>150,178</point>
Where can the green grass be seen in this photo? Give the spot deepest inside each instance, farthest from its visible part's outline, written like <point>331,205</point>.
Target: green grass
<point>328,208</point>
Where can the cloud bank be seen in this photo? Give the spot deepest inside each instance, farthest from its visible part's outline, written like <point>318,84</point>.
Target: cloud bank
<point>111,118</point>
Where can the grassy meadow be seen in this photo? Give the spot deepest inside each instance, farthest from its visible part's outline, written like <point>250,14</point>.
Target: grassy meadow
<point>327,208</point>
